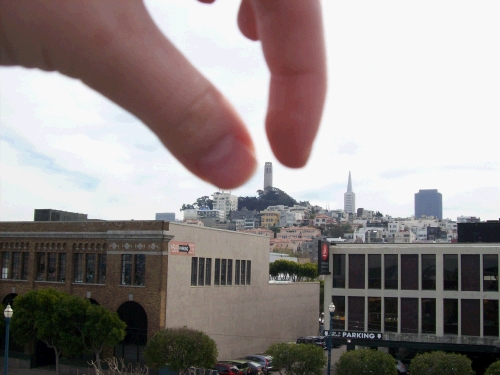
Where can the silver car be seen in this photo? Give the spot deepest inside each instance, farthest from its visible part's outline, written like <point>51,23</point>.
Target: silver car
<point>265,361</point>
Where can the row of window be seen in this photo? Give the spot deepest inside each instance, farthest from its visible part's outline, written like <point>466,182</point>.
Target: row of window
<point>467,277</point>
<point>201,271</point>
<point>385,318</point>
<point>52,246</point>
<point>88,268</point>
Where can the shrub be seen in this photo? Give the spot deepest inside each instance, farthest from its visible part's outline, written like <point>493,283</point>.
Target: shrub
<point>297,359</point>
<point>441,363</point>
<point>493,369</point>
<point>365,361</point>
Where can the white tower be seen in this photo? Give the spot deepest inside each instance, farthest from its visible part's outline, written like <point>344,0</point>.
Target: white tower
<point>268,176</point>
<point>349,198</point>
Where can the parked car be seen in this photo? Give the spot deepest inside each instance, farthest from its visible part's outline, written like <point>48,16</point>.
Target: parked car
<point>401,367</point>
<point>226,369</point>
<point>315,340</point>
<point>243,365</point>
<point>265,361</point>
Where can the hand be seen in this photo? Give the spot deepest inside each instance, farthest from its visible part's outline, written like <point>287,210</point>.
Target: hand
<point>114,47</point>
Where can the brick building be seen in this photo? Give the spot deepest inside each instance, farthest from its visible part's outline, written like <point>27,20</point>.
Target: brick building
<point>157,274</point>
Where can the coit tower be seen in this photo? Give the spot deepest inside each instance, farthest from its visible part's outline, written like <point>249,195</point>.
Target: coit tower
<point>268,176</point>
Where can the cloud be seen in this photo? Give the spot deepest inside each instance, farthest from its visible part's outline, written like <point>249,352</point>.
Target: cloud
<point>398,173</point>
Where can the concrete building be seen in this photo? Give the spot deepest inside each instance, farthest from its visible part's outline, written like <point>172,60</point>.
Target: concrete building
<point>350,198</point>
<point>47,214</point>
<point>429,202</point>
<point>225,202</point>
<point>268,176</point>
<point>425,296</point>
<point>165,216</point>
<point>158,274</point>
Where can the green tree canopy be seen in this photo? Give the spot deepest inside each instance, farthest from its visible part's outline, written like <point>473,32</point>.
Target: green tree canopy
<point>287,270</point>
<point>441,363</point>
<point>365,362</point>
<point>493,369</point>
<point>201,202</point>
<point>297,359</point>
<point>47,315</point>
<point>180,349</point>
<point>273,197</point>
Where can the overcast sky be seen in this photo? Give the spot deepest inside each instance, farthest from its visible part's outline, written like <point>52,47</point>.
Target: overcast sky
<point>413,103</point>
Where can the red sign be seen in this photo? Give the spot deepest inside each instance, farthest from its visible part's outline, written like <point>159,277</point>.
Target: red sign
<point>182,248</point>
<point>324,251</point>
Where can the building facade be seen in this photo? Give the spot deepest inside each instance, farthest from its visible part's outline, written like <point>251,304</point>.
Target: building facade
<point>425,296</point>
<point>429,202</point>
<point>350,198</point>
<point>47,214</point>
<point>225,202</point>
<point>165,216</point>
<point>157,274</point>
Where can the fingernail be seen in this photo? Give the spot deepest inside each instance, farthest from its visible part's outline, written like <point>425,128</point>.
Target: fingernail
<point>229,163</point>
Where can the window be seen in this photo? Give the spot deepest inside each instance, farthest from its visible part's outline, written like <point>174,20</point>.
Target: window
<point>409,315</point>
<point>490,272</point>
<point>338,270</point>
<point>52,267</point>
<point>101,271</point>
<point>450,272</point>
<point>90,268</point>
<point>391,271</point>
<point>243,269</point>
<point>16,265</point>
<point>79,268</point>
<point>5,264</point>
<point>490,317</point>
<point>229,272</point>
<point>429,315</point>
<point>237,272</point>
<point>25,266</point>
<point>390,314</point>
<point>428,272</point>
<point>470,315</point>
<point>140,269</point>
<point>409,272</point>
<point>201,271</point>
<point>374,271</point>
<point>450,316</point>
<point>40,266</point>
<point>374,314</point>
<point>208,271</point>
<point>356,317</point>
<point>470,272</point>
<point>339,314</point>
<point>223,272</point>
<point>194,271</point>
<point>356,271</point>
<point>217,272</point>
<point>249,271</point>
<point>62,267</point>
<point>127,269</point>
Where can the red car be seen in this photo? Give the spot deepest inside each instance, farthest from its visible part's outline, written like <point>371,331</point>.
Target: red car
<point>226,369</point>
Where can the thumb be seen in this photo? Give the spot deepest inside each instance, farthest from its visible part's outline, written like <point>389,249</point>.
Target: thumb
<point>114,47</point>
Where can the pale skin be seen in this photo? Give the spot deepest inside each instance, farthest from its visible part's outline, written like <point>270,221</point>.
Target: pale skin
<point>114,47</point>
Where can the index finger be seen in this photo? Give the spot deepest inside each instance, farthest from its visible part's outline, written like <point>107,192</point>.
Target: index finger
<point>291,32</point>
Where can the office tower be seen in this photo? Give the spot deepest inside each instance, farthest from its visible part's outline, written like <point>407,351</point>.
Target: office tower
<point>429,202</point>
<point>47,214</point>
<point>268,176</point>
<point>349,198</point>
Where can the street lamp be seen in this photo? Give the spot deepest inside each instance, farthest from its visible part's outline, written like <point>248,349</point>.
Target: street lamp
<point>8,314</point>
<point>331,308</point>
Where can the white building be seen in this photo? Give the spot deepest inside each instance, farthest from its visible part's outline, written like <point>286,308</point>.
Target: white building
<point>350,198</point>
<point>225,202</point>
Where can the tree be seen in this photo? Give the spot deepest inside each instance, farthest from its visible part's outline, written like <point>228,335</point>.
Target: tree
<point>441,363</point>
<point>47,315</point>
<point>180,349</point>
<point>187,207</point>
<point>297,359</point>
<point>101,328</point>
<point>493,369</point>
<point>365,361</point>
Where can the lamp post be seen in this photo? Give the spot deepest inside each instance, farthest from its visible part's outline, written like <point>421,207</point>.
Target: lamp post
<point>331,308</point>
<point>8,314</point>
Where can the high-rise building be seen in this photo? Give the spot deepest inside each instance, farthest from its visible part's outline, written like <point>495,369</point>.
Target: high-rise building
<point>165,216</point>
<point>225,202</point>
<point>349,198</point>
<point>428,202</point>
<point>268,176</point>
